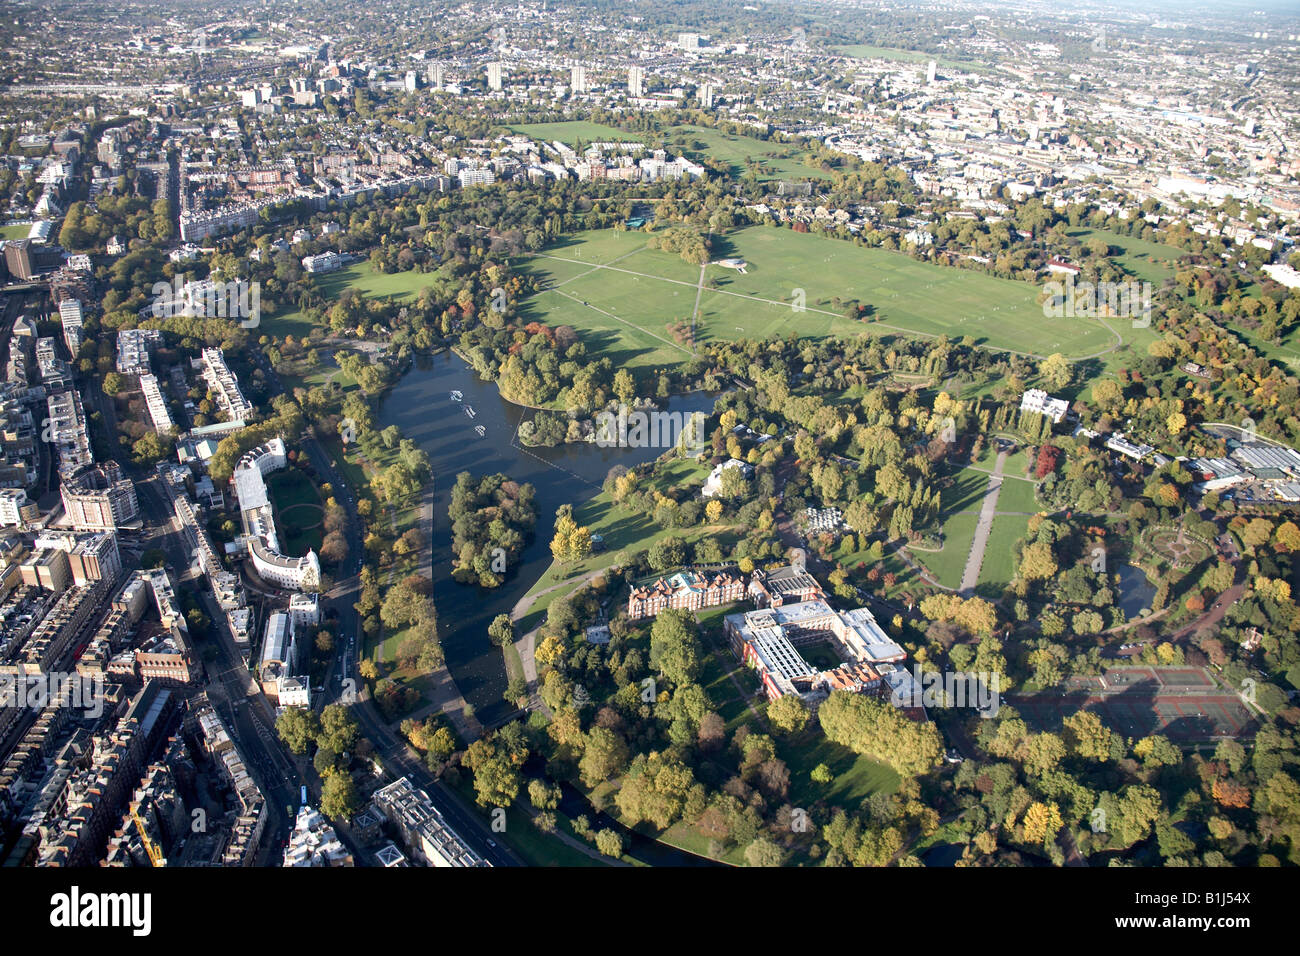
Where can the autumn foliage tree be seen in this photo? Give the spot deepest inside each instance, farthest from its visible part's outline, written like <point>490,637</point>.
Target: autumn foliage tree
<point>881,732</point>
<point>1229,793</point>
<point>1049,456</point>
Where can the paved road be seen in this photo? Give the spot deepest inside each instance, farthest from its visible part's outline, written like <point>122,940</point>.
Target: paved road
<point>971,575</point>
<point>1214,615</point>
<point>231,689</point>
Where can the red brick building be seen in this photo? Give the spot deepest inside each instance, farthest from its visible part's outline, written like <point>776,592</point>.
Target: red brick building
<point>685,590</point>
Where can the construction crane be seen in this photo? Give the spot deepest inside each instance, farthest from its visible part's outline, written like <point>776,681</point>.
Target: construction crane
<point>156,857</point>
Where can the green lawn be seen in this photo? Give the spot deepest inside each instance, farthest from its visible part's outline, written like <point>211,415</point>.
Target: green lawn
<point>382,647</point>
<point>679,473</point>
<point>14,232</point>
<point>399,286</point>
<point>1143,260</point>
<point>774,160</point>
<point>866,51</point>
<point>999,565</point>
<point>302,375</point>
<point>903,572</point>
<point>1017,495</point>
<point>348,463</point>
<point>726,697</point>
<point>961,503</point>
<point>621,297</point>
<point>855,777</point>
<point>966,492</point>
<point>522,836</point>
<point>583,250</point>
<point>541,849</point>
<point>684,836</point>
<point>907,295</point>
<point>851,557</point>
<point>573,132</point>
<point>1151,261</point>
<point>293,323</point>
<point>622,530</point>
<point>1293,676</point>
<point>298,510</point>
<point>904,576</point>
<point>948,564</point>
<point>988,456</point>
<point>1015,464</point>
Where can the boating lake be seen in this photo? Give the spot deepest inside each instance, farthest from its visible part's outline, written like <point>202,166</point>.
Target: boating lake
<point>421,405</point>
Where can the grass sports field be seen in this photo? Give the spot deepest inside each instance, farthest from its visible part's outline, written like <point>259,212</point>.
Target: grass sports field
<point>622,296</point>
<point>570,133</point>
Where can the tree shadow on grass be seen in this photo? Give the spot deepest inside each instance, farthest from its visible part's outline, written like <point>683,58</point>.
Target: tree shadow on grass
<point>722,247</point>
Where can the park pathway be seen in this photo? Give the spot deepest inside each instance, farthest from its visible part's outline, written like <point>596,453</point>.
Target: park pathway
<point>443,694</point>
<point>1118,343</point>
<point>971,575</point>
<point>526,644</point>
<point>699,291</point>
<point>921,570</point>
<point>611,315</point>
<point>744,697</point>
<point>1213,615</point>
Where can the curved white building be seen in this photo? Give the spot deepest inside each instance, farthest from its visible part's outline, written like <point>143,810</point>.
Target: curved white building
<point>272,566</point>
<point>300,574</point>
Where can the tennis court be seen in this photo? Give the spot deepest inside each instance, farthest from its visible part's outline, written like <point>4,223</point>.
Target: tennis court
<point>1185,704</point>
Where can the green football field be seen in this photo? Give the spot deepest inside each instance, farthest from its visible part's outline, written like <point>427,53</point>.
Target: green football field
<point>622,296</point>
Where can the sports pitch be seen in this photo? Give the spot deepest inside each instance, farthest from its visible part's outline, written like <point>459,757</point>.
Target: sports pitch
<point>1185,704</point>
<point>621,296</point>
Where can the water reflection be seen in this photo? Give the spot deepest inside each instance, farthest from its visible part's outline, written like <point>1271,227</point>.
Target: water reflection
<point>1135,591</point>
<point>423,407</point>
